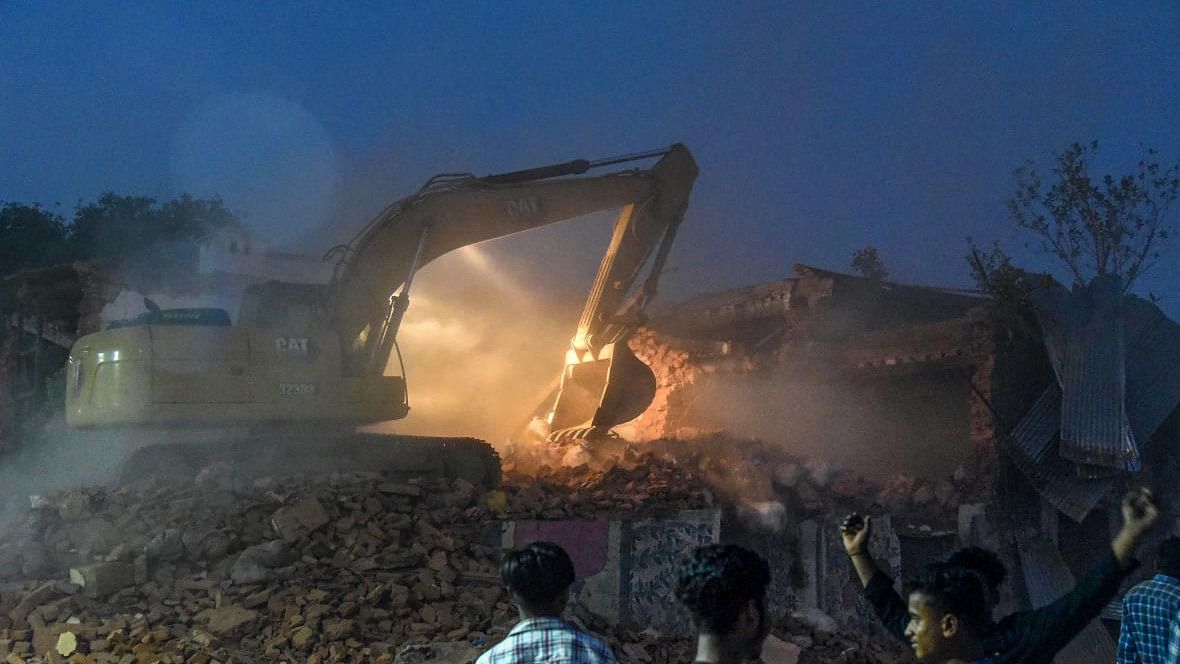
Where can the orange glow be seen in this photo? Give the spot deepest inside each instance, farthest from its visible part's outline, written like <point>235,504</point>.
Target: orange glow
<point>481,352</point>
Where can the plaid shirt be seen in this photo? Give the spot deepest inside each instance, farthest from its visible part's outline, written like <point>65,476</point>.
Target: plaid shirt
<point>548,641</point>
<point>1150,612</point>
<point>1174,642</point>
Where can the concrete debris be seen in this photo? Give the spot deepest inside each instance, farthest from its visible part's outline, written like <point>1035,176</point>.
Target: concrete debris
<point>356,568</point>
<point>264,562</point>
<point>298,520</point>
<point>762,480</point>
<point>452,652</point>
<point>167,546</point>
<point>779,651</point>
<point>103,579</point>
<point>67,643</point>
<point>229,621</point>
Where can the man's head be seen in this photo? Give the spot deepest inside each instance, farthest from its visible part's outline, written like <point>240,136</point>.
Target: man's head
<point>947,613</point>
<point>989,568</point>
<point>1169,557</point>
<point>724,587</point>
<point>539,577</point>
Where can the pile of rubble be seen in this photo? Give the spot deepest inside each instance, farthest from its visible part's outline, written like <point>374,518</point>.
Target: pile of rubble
<point>352,568</point>
<point>714,469</point>
<point>340,569</point>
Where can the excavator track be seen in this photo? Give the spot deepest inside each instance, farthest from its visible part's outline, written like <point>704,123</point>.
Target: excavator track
<point>256,454</point>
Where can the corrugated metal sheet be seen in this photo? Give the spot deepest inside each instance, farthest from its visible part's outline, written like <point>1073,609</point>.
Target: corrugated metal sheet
<point>1075,474</point>
<point>1050,306</point>
<point>1153,367</point>
<point>1047,578</point>
<point>1085,332</point>
<point>1031,440</point>
<point>1032,446</point>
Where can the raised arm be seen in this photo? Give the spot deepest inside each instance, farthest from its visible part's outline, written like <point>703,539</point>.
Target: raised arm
<point>1046,630</point>
<point>879,592</point>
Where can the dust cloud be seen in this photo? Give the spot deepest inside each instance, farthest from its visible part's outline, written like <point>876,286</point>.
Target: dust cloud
<point>485,336</point>
<point>56,459</point>
<point>859,424</point>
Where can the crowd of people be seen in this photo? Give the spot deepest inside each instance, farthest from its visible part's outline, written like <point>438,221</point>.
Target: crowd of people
<point>945,615</point>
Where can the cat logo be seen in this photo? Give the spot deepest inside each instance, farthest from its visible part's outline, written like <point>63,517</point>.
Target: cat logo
<point>523,208</point>
<point>292,346</point>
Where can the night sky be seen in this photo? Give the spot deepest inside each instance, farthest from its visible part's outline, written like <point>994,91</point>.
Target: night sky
<point>820,128</point>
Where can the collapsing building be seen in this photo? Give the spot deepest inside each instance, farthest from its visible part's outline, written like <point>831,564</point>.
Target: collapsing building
<point>830,365</point>
<point>1047,424</point>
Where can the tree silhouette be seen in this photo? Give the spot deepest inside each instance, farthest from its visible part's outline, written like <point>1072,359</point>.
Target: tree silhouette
<point>868,263</point>
<point>1112,225</point>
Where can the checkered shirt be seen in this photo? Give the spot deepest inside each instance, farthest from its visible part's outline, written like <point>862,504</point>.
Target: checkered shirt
<point>1150,612</point>
<point>548,641</point>
<point>1174,642</point>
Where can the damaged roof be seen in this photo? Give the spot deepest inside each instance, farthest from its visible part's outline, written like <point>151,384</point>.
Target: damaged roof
<point>1033,447</point>
<point>1117,361</point>
<point>1084,334</point>
<point>888,323</point>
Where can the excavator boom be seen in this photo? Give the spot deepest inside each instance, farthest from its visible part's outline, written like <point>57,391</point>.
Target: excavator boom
<point>603,384</point>
<point>370,288</point>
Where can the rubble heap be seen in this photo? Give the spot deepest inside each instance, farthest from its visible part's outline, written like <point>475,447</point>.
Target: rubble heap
<point>714,469</point>
<point>340,569</point>
<point>348,568</point>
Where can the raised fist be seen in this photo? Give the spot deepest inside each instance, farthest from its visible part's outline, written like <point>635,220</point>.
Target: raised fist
<point>1140,511</point>
<point>855,533</point>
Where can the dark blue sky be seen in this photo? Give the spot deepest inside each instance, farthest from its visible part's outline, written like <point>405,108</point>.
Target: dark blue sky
<point>819,128</point>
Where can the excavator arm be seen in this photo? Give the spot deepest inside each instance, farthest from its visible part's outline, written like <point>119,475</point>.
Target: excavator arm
<point>369,293</point>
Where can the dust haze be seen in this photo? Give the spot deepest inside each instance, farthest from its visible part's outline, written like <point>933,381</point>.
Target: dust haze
<point>485,336</point>
<point>914,425</point>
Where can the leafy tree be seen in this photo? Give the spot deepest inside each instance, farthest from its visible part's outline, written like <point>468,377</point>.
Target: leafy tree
<point>1113,225</point>
<point>119,226</point>
<point>868,264</point>
<point>31,237</point>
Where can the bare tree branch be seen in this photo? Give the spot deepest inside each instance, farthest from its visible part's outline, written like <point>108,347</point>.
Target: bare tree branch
<point>1095,227</point>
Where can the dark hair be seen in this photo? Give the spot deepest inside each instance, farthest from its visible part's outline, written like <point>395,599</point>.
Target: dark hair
<point>982,562</point>
<point>1169,553</point>
<point>953,589</point>
<point>717,581</point>
<point>538,573</point>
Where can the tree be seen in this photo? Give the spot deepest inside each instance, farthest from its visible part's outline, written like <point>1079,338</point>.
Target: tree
<point>868,264</point>
<point>1114,225</point>
<point>31,237</point>
<point>994,273</point>
<point>119,226</point>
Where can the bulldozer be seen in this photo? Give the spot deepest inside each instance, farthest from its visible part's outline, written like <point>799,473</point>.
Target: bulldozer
<point>285,386</point>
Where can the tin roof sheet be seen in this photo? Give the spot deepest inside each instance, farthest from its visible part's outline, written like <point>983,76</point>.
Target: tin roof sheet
<point>1084,329</point>
<point>1033,447</point>
<point>1153,367</point>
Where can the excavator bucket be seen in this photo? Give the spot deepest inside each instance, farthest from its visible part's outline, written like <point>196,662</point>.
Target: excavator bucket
<point>601,393</point>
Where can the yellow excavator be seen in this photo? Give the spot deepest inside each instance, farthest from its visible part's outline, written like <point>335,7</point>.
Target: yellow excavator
<point>284,387</point>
